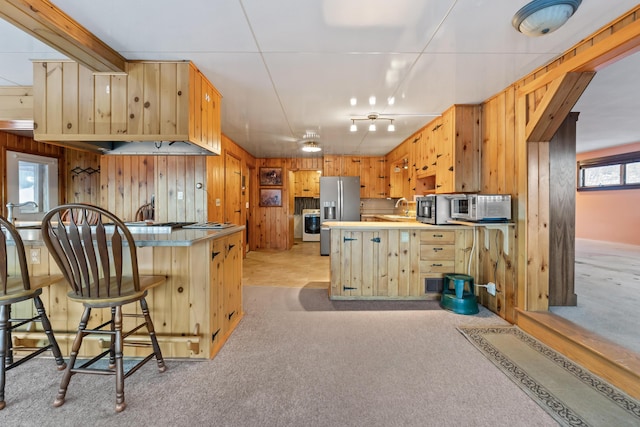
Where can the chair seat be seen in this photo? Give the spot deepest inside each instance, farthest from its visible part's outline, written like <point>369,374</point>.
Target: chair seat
<point>16,292</point>
<point>127,295</point>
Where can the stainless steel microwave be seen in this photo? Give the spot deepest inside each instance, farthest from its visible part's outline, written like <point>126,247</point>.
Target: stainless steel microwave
<point>481,207</point>
<point>434,208</point>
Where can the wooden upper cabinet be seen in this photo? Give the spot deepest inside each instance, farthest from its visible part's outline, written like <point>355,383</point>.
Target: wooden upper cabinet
<point>153,101</point>
<point>307,184</point>
<point>372,171</point>
<point>373,178</point>
<point>457,145</point>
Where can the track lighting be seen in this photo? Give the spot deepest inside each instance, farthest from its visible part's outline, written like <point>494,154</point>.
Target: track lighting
<point>372,117</point>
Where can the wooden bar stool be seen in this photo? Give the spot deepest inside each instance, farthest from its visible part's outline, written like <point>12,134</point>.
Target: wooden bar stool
<point>93,260</point>
<point>14,289</point>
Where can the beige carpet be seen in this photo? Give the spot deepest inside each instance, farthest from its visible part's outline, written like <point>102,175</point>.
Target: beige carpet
<point>569,393</point>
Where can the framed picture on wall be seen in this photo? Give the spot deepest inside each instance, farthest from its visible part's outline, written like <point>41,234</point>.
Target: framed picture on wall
<point>270,176</point>
<point>270,197</point>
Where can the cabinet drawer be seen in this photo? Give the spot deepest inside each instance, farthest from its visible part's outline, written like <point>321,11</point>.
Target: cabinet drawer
<point>436,266</point>
<point>438,236</point>
<point>437,252</point>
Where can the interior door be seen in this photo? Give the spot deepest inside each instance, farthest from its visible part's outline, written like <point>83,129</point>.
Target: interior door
<point>232,190</point>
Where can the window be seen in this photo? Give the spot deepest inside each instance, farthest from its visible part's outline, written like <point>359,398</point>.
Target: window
<point>617,172</point>
<point>31,178</point>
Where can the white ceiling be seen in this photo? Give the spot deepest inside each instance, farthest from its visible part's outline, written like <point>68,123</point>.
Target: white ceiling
<point>286,67</point>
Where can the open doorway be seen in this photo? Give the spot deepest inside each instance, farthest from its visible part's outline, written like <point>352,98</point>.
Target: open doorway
<point>607,270</point>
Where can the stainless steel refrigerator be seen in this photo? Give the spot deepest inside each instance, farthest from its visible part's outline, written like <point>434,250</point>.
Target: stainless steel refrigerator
<point>339,201</point>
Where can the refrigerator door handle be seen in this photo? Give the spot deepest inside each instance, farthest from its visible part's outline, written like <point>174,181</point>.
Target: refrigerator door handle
<point>340,189</point>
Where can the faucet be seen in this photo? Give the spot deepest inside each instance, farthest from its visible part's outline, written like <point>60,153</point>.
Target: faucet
<point>10,207</point>
<point>402,199</point>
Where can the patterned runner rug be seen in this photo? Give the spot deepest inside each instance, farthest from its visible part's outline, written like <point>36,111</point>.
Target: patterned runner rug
<point>572,395</point>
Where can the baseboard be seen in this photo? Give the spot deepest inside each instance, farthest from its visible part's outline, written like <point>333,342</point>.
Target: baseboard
<point>610,361</point>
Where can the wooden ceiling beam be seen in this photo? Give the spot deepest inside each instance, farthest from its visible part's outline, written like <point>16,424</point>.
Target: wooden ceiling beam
<point>50,25</point>
<point>562,94</point>
<point>622,43</point>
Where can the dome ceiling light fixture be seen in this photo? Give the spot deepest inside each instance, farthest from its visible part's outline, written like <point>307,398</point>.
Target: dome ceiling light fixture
<point>372,117</point>
<point>541,17</point>
<point>311,147</point>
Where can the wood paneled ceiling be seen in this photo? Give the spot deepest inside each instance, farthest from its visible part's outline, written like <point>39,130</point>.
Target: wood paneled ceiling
<point>288,67</point>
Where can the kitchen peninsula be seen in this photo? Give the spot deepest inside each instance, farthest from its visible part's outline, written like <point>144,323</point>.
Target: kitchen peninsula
<point>407,260</point>
<point>194,312</point>
<point>397,260</point>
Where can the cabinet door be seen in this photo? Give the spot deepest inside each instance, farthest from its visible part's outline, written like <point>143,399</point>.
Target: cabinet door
<point>398,180</point>
<point>362,274</point>
<point>445,182</point>
<point>351,166</point>
<point>232,279</point>
<point>216,295</point>
<point>332,165</point>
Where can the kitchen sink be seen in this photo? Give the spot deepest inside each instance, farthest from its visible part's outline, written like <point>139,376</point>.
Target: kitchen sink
<point>405,217</point>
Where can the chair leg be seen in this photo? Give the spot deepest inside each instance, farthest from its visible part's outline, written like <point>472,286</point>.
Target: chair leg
<point>4,335</point>
<point>46,325</point>
<point>152,335</point>
<point>112,352</point>
<point>117,322</point>
<point>66,377</point>
<point>8,355</point>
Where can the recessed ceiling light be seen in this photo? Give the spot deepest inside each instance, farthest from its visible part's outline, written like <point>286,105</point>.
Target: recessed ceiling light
<point>353,101</point>
<point>372,100</point>
<point>391,100</point>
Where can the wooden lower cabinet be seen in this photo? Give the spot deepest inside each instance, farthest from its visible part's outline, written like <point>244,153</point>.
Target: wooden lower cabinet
<point>193,313</point>
<point>378,264</point>
<point>398,263</point>
<point>445,251</point>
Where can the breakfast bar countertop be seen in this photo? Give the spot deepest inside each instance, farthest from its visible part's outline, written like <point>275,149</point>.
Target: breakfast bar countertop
<point>177,237</point>
<point>386,225</point>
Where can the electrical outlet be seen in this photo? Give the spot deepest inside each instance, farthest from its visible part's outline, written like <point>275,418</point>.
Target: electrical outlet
<point>35,255</point>
<point>180,195</point>
<point>491,288</point>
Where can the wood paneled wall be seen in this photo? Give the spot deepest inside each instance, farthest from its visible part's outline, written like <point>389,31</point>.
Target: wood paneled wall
<point>128,182</point>
<point>499,166</point>
<point>83,184</point>
<point>272,226</point>
<point>272,229</point>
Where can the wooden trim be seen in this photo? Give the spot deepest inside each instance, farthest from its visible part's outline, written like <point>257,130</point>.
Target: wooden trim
<point>13,125</point>
<point>621,43</point>
<point>562,94</point>
<point>616,364</point>
<point>50,25</point>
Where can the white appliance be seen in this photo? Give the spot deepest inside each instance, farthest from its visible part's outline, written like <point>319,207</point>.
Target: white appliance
<point>311,225</point>
<point>339,201</point>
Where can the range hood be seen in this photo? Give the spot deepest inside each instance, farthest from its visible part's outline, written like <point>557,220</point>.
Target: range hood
<point>157,148</point>
<point>138,148</point>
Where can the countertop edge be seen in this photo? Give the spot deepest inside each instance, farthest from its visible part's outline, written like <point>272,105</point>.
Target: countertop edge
<point>179,237</point>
